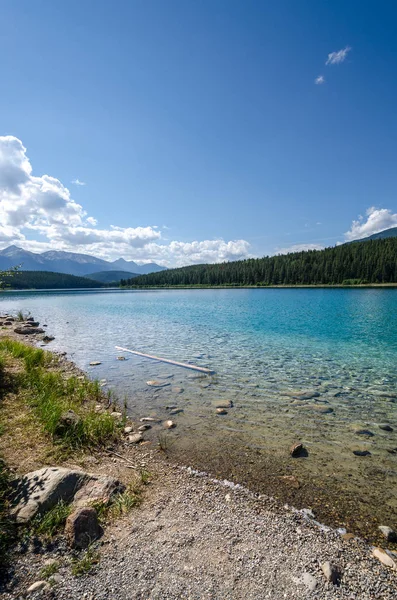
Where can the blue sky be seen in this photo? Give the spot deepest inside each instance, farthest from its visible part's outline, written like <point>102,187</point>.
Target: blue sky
<point>197,127</point>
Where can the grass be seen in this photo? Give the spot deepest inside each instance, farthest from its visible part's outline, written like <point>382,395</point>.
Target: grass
<point>82,566</point>
<point>21,316</point>
<point>53,521</point>
<point>51,395</point>
<point>49,570</point>
<point>119,505</point>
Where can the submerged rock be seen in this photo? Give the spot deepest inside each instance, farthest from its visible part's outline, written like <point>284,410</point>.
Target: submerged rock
<point>95,363</point>
<point>156,383</point>
<point>169,424</point>
<point>221,411</point>
<point>224,404</point>
<point>386,427</point>
<point>297,449</point>
<point>364,432</point>
<point>362,452</point>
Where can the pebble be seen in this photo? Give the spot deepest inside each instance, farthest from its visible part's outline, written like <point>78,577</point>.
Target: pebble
<point>116,415</point>
<point>221,411</point>
<point>144,427</point>
<point>176,411</point>
<point>95,363</point>
<point>135,438</point>
<point>169,424</point>
<point>148,420</point>
<point>128,429</point>
<point>389,533</point>
<point>386,427</point>
<point>309,581</point>
<point>121,358</point>
<point>384,558</point>
<point>362,452</point>
<point>177,390</point>
<point>331,572</point>
<point>38,586</point>
<point>224,404</point>
<point>156,383</point>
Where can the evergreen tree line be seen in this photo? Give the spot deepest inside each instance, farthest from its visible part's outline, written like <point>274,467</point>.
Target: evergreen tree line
<point>45,280</point>
<point>373,261</point>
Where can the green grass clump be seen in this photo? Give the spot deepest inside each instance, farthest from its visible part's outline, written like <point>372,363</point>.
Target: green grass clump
<point>21,316</point>
<point>51,395</point>
<point>49,570</point>
<point>81,566</point>
<point>53,521</point>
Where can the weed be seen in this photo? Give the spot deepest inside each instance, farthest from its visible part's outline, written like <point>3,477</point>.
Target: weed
<point>21,316</point>
<point>145,476</point>
<point>49,570</point>
<point>123,503</point>
<point>52,521</point>
<point>81,566</point>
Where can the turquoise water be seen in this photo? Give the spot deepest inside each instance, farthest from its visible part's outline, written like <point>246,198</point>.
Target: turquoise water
<point>266,347</point>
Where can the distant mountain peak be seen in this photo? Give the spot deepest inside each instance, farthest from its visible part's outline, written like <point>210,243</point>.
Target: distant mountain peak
<point>385,233</point>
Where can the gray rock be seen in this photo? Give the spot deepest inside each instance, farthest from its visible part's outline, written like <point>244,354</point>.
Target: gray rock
<point>362,452</point>
<point>128,429</point>
<point>221,411</point>
<point>82,527</point>
<point>331,572</point>
<point>135,438</point>
<point>224,404</point>
<point>116,415</point>
<point>389,533</point>
<point>158,384</point>
<point>39,491</point>
<point>169,424</point>
<point>386,427</point>
<point>100,488</point>
<point>364,432</point>
<point>177,390</point>
<point>38,586</point>
<point>384,558</point>
<point>309,581</point>
<point>68,421</point>
<point>296,450</point>
<point>176,411</point>
<point>28,330</point>
<point>144,427</point>
<point>95,363</point>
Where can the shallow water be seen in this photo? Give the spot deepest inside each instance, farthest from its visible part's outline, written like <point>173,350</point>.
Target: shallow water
<point>265,346</point>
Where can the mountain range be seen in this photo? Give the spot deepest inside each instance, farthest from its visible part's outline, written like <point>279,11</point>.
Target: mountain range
<point>58,261</point>
<point>386,233</point>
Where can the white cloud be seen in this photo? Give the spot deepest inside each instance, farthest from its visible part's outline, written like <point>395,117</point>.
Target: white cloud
<point>299,248</point>
<point>376,219</point>
<point>78,182</point>
<point>335,58</point>
<point>319,80</point>
<point>43,205</point>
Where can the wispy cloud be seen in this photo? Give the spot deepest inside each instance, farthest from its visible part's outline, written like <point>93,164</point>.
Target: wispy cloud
<point>319,80</point>
<point>298,248</point>
<point>78,182</point>
<point>335,58</point>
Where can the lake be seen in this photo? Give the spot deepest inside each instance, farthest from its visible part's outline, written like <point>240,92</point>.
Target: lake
<point>267,346</point>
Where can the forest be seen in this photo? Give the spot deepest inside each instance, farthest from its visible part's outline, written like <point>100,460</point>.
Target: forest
<point>354,263</point>
<point>45,280</point>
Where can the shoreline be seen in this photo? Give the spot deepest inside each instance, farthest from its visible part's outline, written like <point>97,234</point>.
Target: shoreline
<point>175,480</point>
<point>262,287</point>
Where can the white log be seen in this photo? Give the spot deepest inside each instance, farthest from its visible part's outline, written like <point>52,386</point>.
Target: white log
<point>167,360</point>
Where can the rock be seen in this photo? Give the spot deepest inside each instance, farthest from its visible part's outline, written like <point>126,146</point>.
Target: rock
<point>347,537</point>
<point>97,489</point>
<point>148,420</point>
<point>177,390</point>
<point>48,338</point>
<point>384,558</point>
<point>68,421</point>
<point>121,358</point>
<point>30,319</point>
<point>144,427</point>
<point>364,432</point>
<point>32,323</point>
<point>386,427</point>
<point>82,527</point>
<point>389,533</point>
<point>308,395</point>
<point>362,452</point>
<point>331,572</point>
<point>176,411</point>
<point>169,424</point>
<point>55,579</point>
<point>38,586</point>
<point>39,491</point>
<point>135,438</point>
<point>309,581</point>
<point>128,429</point>
<point>297,450</point>
<point>157,384</point>
<point>95,363</point>
<point>116,415</point>
<point>28,330</point>
<point>224,404</point>
<point>221,411</point>
<point>8,322</point>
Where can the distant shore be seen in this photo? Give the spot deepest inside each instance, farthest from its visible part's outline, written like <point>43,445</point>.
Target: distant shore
<point>259,287</point>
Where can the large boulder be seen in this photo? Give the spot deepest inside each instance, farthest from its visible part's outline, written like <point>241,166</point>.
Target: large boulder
<point>39,491</point>
<point>98,489</point>
<point>82,527</point>
<point>28,330</point>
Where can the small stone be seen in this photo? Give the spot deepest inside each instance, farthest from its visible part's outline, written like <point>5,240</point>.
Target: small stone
<point>48,338</point>
<point>309,581</point>
<point>362,452</point>
<point>221,411</point>
<point>128,429</point>
<point>148,420</point>
<point>95,363</point>
<point>38,586</point>
<point>296,450</point>
<point>135,438</point>
<point>144,427</point>
<point>116,415</point>
<point>331,572</point>
<point>169,424</point>
<point>389,533</point>
<point>56,578</point>
<point>384,558</point>
<point>82,527</point>
<point>121,358</point>
<point>224,404</point>
<point>347,537</point>
<point>156,383</point>
<point>177,390</point>
<point>386,427</point>
<point>176,411</point>
<point>364,432</point>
